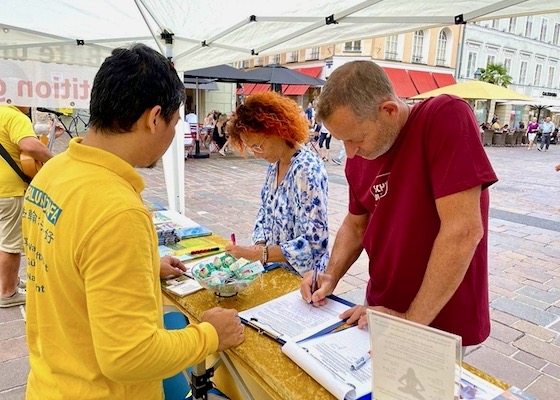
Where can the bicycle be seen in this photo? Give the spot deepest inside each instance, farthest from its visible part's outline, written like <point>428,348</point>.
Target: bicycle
<point>73,125</point>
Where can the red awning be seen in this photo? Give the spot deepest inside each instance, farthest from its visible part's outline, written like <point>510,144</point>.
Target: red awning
<point>401,82</point>
<point>443,79</point>
<point>312,71</point>
<point>294,90</point>
<point>250,88</point>
<point>422,80</point>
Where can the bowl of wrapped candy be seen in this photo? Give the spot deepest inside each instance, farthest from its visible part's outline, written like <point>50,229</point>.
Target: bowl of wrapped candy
<point>226,276</point>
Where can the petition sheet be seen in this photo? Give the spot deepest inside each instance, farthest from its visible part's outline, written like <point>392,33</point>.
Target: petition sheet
<point>332,360</point>
<point>289,317</point>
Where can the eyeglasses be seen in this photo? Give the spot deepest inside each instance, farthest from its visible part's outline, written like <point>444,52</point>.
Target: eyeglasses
<point>257,149</point>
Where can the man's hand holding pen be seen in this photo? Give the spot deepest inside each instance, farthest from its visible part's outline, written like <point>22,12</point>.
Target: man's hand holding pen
<point>324,285</point>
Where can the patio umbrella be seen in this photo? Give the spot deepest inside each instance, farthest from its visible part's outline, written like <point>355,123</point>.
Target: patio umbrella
<point>278,75</point>
<point>222,73</point>
<point>476,90</point>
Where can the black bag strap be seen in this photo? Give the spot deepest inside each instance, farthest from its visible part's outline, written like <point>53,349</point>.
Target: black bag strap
<point>13,164</point>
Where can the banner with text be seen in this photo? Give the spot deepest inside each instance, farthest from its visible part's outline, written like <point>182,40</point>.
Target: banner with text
<point>38,84</point>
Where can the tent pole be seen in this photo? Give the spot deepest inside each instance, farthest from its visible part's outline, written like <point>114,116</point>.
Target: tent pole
<point>197,153</point>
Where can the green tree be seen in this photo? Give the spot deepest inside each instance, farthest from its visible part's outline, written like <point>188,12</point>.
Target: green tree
<point>496,74</point>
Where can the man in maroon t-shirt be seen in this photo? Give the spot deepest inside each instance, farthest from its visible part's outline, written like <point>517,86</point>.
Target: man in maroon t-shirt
<point>418,180</point>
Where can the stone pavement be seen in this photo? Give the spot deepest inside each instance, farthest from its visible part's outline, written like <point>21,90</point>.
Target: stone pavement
<point>222,193</point>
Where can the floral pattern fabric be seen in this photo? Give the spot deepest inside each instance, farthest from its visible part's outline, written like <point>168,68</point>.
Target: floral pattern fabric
<point>294,214</point>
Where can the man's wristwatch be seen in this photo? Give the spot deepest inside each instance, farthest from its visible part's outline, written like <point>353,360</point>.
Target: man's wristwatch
<point>264,255</point>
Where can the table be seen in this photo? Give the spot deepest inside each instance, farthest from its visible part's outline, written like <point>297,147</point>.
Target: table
<point>262,366</point>
<point>267,372</point>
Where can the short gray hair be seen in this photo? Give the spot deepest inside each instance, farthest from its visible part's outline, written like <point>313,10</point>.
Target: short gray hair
<point>359,85</point>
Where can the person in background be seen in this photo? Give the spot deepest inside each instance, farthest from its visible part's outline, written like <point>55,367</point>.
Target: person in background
<point>532,129</point>
<point>324,140</point>
<point>404,166</point>
<point>292,224</point>
<point>219,136</point>
<point>341,156</point>
<point>94,309</point>
<point>547,128</point>
<point>496,125</point>
<point>16,135</point>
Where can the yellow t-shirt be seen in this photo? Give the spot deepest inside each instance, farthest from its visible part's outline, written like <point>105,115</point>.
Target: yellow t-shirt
<point>14,126</point>
<point>94,311</point>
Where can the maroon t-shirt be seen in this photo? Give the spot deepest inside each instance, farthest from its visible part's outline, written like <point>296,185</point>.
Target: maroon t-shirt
<point>437,153</point>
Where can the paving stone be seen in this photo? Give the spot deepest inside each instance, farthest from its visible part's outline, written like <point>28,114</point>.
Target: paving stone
<point>14,373</point>
<point>13,394</point>
<point>13,348</point>
<point>502,317</point>
<point>539,332</point>
<point>552,369</point>
<point>524,311</point>
<point>544,296</point>
<point>504,333</point>
<point>504,368</point>
<point>12,329</point>
<point>544,388</point>
<point>554,310</point>
<point>532,302</point>
<point>10,314</point>
<point>504,283</point>
<point>530,359</point>
<point>501,347</point>
<point>539,348</point>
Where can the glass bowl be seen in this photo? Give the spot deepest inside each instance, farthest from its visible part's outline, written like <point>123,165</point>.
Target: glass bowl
<point>225,276</point>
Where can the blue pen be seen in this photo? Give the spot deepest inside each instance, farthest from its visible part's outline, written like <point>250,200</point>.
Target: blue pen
<point>314,281</point>
<point>359,362</point>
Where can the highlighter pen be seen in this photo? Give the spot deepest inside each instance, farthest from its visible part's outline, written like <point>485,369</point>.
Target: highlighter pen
<point>233,238</point>
<point>359,362</point>
<point>204,250</point>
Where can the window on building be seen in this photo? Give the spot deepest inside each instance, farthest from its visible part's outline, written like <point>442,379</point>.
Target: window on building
<point>312,54</point>
<point>471,64</point>
<point>245,64</point>
<point>529,27</point>
<point>441,55</point>
<point>551,72</point>
<point>556,35</point>
<point>495,23</point>
<point>417,46</point>
<point>293,56</point>
<point>538,73</point>
<point>354,46</point>
<point>507,65</point>
<point>512,25</point>
<point>522,72</point>
<point>491,59</point>
<point>544,28</point>
<point>391,47</point>
<point>276,59</point>
<point>259,61</point>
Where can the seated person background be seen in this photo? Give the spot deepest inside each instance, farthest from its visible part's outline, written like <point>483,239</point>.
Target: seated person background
<point>291,225</point>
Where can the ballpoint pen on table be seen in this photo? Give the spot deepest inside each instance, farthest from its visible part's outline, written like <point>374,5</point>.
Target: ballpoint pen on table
<point>359,362</point>
<point>233,238</point>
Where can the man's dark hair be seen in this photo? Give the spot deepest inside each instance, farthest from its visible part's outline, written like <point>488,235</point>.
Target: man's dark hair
<point>129,82</point>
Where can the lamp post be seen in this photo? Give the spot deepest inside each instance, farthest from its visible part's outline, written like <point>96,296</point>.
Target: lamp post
<point>477,74</point>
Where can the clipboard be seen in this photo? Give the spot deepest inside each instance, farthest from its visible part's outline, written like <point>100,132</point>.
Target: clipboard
<point>283,319</point>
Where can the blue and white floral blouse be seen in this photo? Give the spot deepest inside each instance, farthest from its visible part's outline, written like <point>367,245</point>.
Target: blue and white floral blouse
<point>294,215</point>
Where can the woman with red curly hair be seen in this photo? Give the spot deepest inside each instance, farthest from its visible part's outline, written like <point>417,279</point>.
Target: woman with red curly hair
<point>291,225</point>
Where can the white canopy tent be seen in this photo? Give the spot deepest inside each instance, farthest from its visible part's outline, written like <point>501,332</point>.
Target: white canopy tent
<point>201,33</point>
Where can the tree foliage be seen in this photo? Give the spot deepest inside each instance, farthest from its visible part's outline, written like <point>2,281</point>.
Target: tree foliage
<point>496,74</point>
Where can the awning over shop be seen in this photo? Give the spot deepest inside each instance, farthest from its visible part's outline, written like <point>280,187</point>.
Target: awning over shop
<point>443,79</point>
<point>294,90</point>
<point>250,88</point>
<point>311,71</point>
<point>401,82</point>
<point>422,80</point>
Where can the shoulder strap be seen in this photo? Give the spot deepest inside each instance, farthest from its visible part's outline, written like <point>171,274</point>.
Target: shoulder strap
<point>13,164</point>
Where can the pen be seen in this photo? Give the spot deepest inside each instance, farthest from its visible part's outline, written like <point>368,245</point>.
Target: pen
<point>314,281</point>
<point>204,250</point>
<point>359,362</point>
<point>233,238</point>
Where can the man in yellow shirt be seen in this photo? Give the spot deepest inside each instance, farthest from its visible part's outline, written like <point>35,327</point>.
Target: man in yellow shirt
<point>94,310</point>
<point>16,135</point>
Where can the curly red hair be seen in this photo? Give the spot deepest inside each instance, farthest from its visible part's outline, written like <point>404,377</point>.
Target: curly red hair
<point>268,113</point>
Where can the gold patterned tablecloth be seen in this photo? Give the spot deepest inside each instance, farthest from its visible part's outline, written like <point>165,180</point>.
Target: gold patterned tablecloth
<point>259,355</point>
